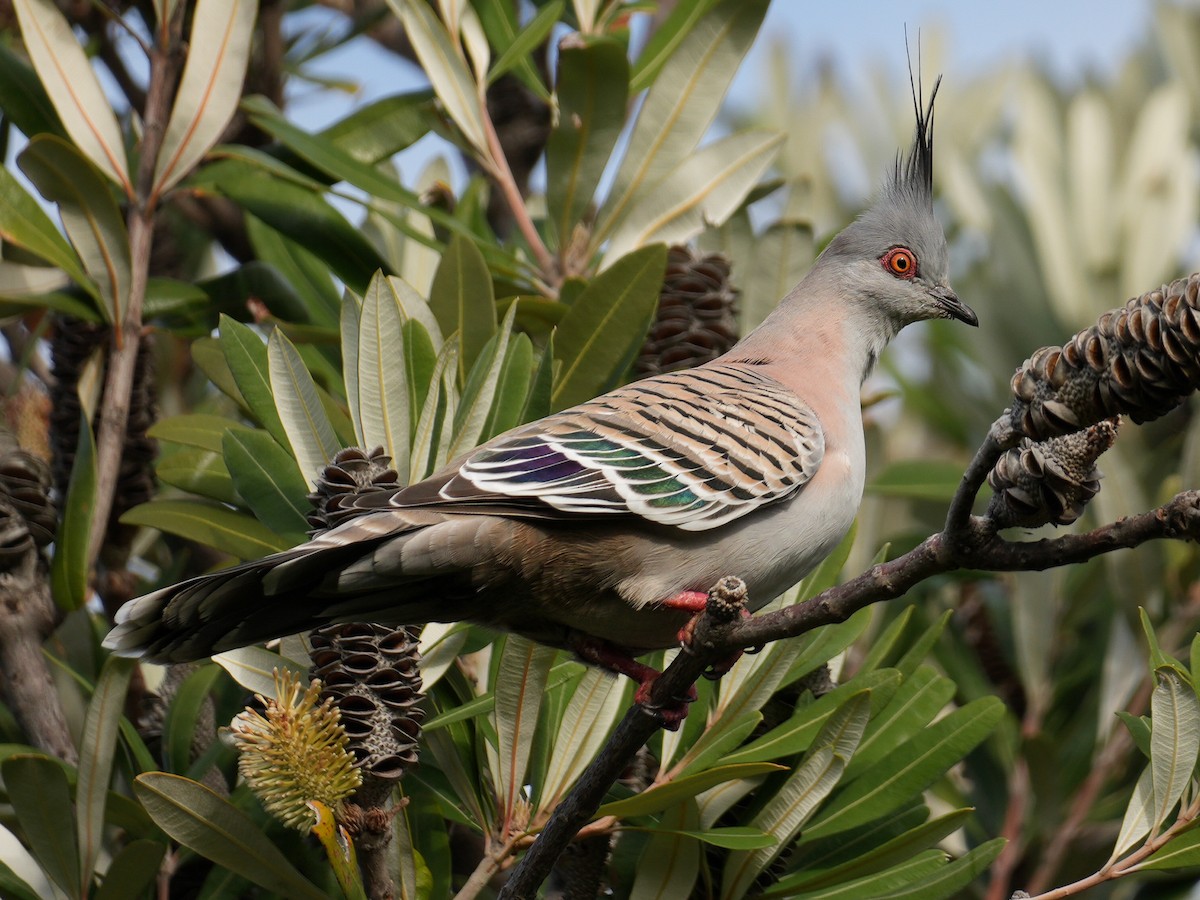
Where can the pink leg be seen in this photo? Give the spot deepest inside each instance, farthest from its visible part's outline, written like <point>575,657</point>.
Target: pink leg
<point>605,655</point>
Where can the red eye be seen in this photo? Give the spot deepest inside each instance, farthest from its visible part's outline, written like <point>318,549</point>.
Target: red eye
<point>900,262</point>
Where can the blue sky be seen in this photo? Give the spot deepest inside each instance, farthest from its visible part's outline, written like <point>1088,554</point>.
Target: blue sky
<point>1073,38</point>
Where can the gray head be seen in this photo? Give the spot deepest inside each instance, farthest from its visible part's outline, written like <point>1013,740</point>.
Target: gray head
<point>894,256</point>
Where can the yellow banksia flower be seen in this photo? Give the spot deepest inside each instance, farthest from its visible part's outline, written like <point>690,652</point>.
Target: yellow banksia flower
<point>295,753</point>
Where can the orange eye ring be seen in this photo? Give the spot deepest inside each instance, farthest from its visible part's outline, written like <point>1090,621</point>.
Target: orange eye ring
<point>901,262</point>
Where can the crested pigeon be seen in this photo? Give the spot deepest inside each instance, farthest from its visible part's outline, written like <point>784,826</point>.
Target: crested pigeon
<point>597,529</point>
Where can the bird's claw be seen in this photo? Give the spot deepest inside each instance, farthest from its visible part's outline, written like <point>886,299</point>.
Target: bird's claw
<point>671,715</point>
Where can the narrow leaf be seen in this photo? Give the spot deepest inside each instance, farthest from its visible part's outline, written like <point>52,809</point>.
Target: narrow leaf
<point>668,793</point>
<point>218,51</point>
<point>605,323</point>
<point>1174,739</point>
<point>96,747</point>
<point>24,223</point>
<point>446,70</point>
<point>381,406</point>
<point>211,524</point>
<point>69,567</point>
<point>132,870</point>
<point>89,213</point>
<point>1139,816</point>
<point>309,431</point>
<point>462,300</point>
<point>480,393</point>
<point>520,687</point>
<point>246,356</point>
<point>682,103</point>
<point>253,668</point>
<point>268,479</point>
<point>41,798</point>
<point>216,829</point>
<point>68,77</point>
<point>671,861</point>
<point>705,189</point>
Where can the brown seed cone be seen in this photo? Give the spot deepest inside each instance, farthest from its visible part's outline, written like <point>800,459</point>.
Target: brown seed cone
<point>371,674</point>
<point>1051,480</point>
<point>25,483</point>
<point>1141,360</point>
<point>697,314</point>
<point>352,472</point>
<point>73,344</point>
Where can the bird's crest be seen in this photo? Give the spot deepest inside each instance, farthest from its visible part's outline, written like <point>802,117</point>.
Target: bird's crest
<point>914,174</point>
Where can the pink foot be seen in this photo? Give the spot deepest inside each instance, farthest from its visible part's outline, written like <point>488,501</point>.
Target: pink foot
<point>605,655</point>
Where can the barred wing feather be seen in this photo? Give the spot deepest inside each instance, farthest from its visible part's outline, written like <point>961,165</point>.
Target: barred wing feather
<point>693,450</point>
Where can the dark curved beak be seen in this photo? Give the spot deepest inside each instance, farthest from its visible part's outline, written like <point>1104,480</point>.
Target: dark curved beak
<point>952,307</point>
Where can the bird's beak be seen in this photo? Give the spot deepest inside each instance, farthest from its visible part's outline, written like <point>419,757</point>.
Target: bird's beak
<point>952,307</point>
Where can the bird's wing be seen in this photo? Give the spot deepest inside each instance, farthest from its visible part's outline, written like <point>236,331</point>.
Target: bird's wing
<point>693,449</point>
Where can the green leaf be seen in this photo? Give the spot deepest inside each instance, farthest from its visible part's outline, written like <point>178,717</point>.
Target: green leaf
<point>797,733</point>
<point>217,830</point>
<point>267,477</point>
<point>180,726</point>
<point>527,40</point>
<point>1139,730</point>
<point>200,472</point>
<point>69,567</point>
<point>379,392</point>
<point>605,323</point>
<point>24,223</point>
<point>309,431</point>
<point>704,189</point>
<point>512,389</point>
<point>918,479</point>
<point>1139,815</point>
<point>682,103</point>
<point>875,859</point>
<point>132,871</point>
<point>431,436</point>
<point>96,747</point>
<point>253,667</point>
<point>519,689</point>
<point>671,861</point>
<point>501,26</point>
<point>888,883</point>
<point>41,798</point>
<point>462,300</point>
<point>592,95</point>
<point>892,782</point>
<point>420,358</point>
<point>537,403</point>
<point>786,811</point>
<point>218,51</point>
<point>378,131</point>
<point>919,699</point>
<point>590,715</point>
<point>14,887</point>
<point>26,103</point>
<point>302,271</point>
<point>200,430</point>
<point>716,743</point>
<point>479,395</point>
<point>668,793</point>
<point>952,878</point>
<point>446,70</point>
<point>68,78</point>
<point>297,211</point>
<point>211,524</point>
<point>665,40</point>
<point>246,356</point>
<point>1174,739</point>
<point>89,213</point>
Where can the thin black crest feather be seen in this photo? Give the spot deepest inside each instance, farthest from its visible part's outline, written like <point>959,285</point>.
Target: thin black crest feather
<point>914,173</point>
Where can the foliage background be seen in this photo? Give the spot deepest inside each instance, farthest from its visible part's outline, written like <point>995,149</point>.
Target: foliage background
<point>1063,194</point>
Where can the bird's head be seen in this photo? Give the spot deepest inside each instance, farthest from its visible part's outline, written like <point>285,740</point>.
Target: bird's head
<point>893,256</point>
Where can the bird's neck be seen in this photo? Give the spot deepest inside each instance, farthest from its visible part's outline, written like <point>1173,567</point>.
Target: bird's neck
<point>817,338</point>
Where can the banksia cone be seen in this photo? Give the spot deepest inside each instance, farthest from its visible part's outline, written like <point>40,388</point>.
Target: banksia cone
<point>352,472</point>
<point>71,346</point>
<point>696,320</point>
<point>1051,480</point>
<point>295,753</point>
<point>25,483</point>
<point>370,675</point>
<point>1141,360</point>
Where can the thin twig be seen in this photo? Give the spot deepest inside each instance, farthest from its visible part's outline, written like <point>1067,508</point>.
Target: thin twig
<point>122,362</point>
<point>498,168</point>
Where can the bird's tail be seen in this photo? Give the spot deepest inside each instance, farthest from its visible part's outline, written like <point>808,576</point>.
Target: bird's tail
<point>274,596</point>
